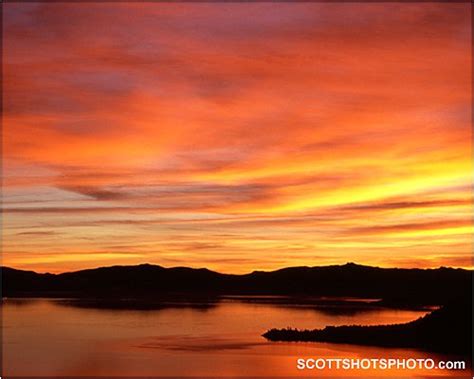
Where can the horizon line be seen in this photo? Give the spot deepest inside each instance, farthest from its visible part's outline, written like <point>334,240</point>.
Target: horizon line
<point>248,273</point>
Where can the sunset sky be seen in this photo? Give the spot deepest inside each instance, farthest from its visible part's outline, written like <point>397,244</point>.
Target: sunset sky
<point>237,136</point>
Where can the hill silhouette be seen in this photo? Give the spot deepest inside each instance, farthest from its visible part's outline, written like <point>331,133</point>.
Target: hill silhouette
<point>393,286</point>
<point>446,330</point>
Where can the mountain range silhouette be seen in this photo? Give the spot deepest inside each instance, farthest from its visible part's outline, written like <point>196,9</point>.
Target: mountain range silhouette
<point>393,286</point>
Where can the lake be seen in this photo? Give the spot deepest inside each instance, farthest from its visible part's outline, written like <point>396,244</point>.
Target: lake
<point>61,337</point>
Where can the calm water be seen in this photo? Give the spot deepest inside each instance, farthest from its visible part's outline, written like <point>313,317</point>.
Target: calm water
<point>56,337</point>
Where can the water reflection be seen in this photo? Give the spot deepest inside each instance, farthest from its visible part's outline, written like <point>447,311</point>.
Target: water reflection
<point>139,304</point>
<point>196,337</point>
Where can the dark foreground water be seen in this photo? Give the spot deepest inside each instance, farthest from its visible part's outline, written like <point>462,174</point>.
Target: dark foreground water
<point>45,337</point>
